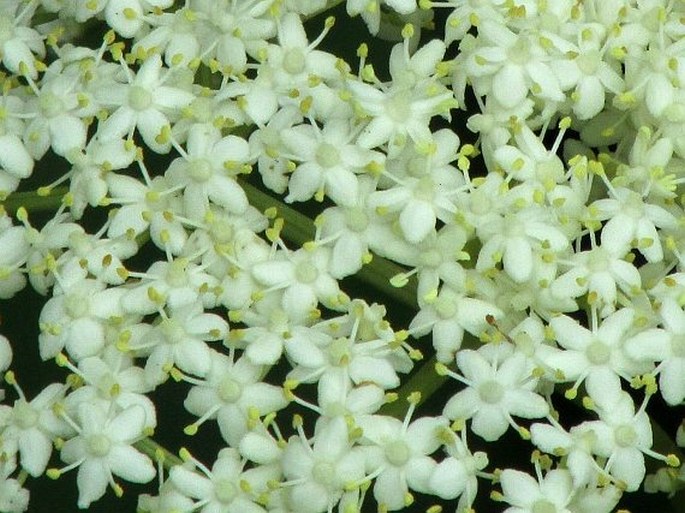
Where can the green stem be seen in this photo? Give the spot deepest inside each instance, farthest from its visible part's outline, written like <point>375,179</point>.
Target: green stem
<point>157,452</point>
<point>33,202</point>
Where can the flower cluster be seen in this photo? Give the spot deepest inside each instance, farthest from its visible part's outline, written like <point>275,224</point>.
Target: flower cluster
<point>542,251</point>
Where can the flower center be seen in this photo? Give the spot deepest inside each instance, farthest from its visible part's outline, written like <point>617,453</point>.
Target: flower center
<point>230,390</point>
<point>356,219</point>
<point>598,353</point>
<point>139,98</point>
<point>24,415</point>
<point>339,351</point>
<point>305,272</point>
<point>335,409</point>
<point>398,106</point>
<point>491,392</point>
<point>51,105</point>
<point>550,170</point>
<point>323,473</point>
<point>520,52</point>
<point>425,189</point>
<point>625,435</point>
<point>99,445</point>
<point>445,307</point>
<point>176,274</point>
<point>543,506</point>
<point>417,166</point>
<point>293,61</point>
<point>222,231</point>
<point>327,155</point>
<point>225,490</point>
<point>599,261</point>
<point>76,306</point>
<point>513,227</point>
<point>588,63</point>
<point>397,453</point>
<point>173,331</point>
<point>200,170</point>
<point>634,207</point>
<point>431,258</point>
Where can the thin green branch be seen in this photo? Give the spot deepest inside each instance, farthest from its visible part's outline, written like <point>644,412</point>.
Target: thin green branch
<point>33,202</point>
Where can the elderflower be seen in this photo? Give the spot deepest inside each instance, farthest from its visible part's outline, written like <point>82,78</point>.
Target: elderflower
<point>472,225</point>
<point>102,449</point>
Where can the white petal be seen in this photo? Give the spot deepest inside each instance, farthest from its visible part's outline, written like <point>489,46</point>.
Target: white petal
<point>131,465</point>
<point>13,156</point>
<point>417,219</point>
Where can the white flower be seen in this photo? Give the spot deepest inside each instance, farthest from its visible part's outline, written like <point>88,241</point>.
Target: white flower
<point>266,147</point>
<point>269,328</point>
<point>144,103</point>
<point>576,446</point>
<point>622,435</point>
<point>150,205</point>
<point>530,162</point>
<point>90,170</point>
<point>207,170</point>
<point>228,488</point>
<point>650,75</point>
<point>102,449</point>
<point>112,377</point>
<point>304,277</point>
<point>175,34</point>
<point>329,162</point>
<point>630,218</point>
<point>457,474</point>
<point>175,284</point>
<point>551,493</point>
<point>15,162</point>
<point>232,393</point>
<point>491,123</point>
<point>98,257</point>
<point>14,248</point>
<point>398,455</point>
<point>322,354</point>
<point>319,470</point>
<point>13,498</point>
<point>179,340</point>
<point>31,426</point>
<point>58,111</point>
<point>507,65</point>
<point>425,192</point>
<point>238,284</point>
<point>598,272</point>
<point>495,391</point>
<point>590,72</point>
<point>403,108</point>
<point>76,319</point>
<point>448,316</point>
<point>20,44</point>
<point>230,31</point>
<point>294,59</point>
<point>666,346</point>
<point>168,500</point>
<point>597,357</point>
<point>514,236</point>
<point>46,245</point>
<point>370,10</point>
